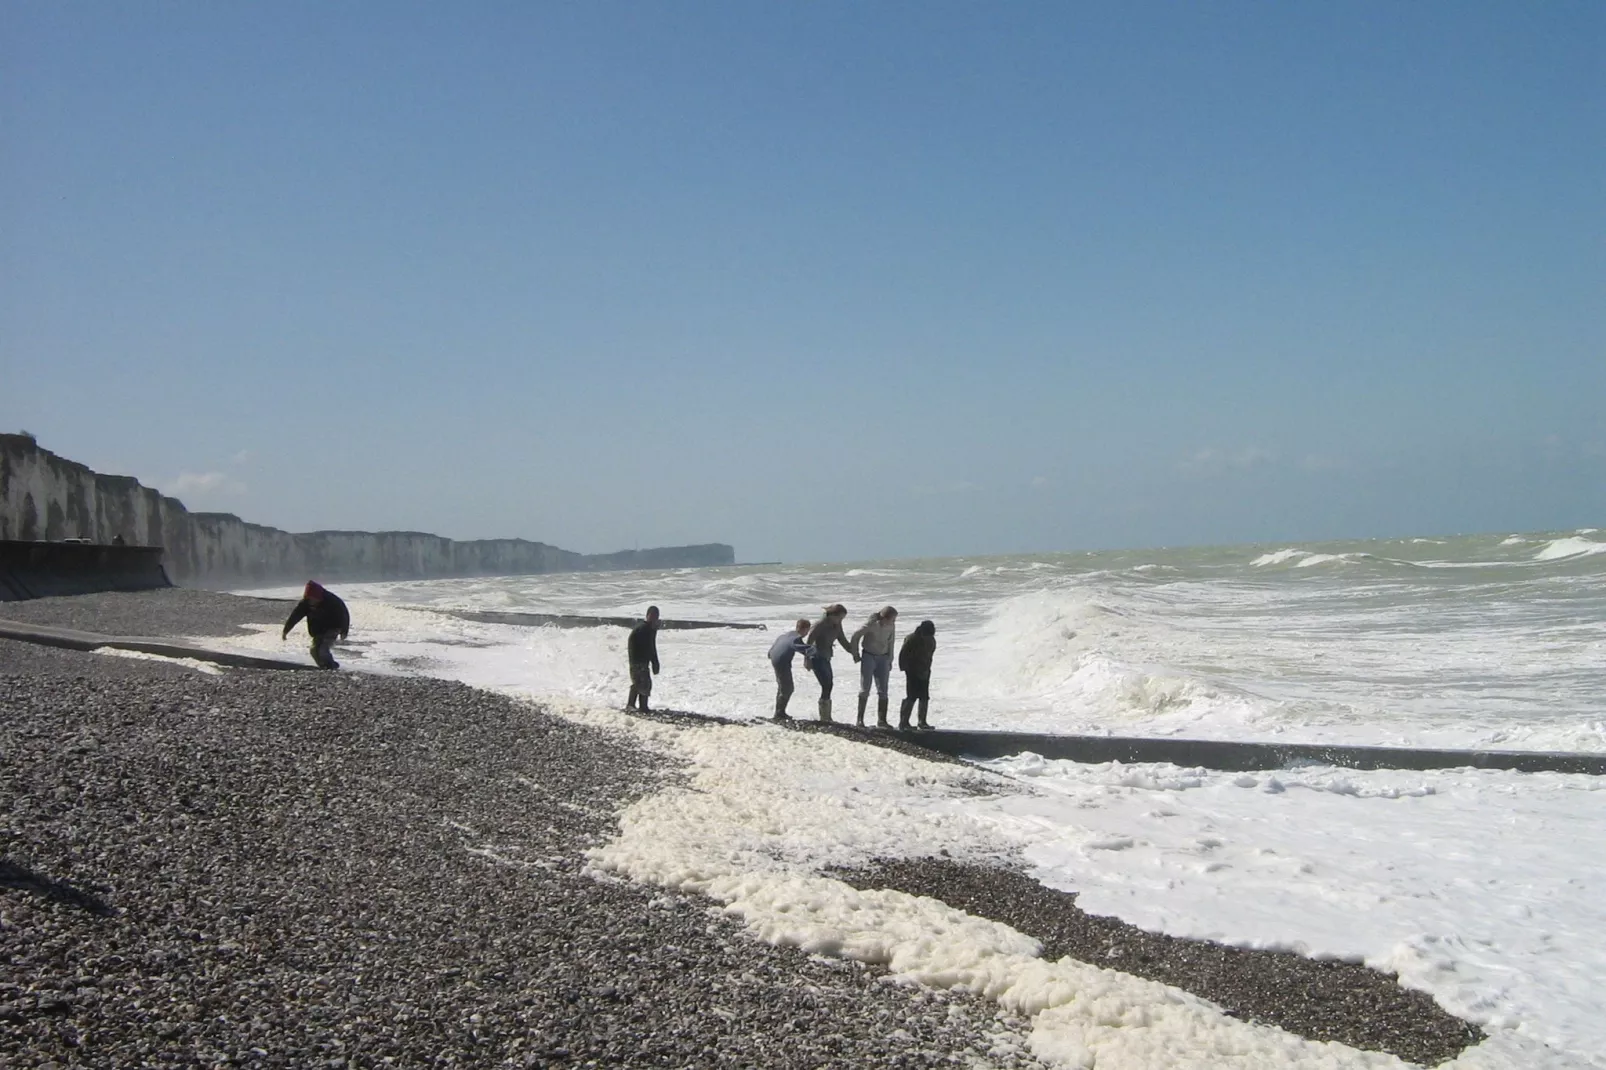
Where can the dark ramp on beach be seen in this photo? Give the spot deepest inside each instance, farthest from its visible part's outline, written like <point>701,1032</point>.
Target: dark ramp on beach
<point>1232,757</point>
<point>72,639</point>
<point>564,620</point>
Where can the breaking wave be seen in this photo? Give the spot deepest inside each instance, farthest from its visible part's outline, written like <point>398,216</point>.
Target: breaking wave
<point>1571,546</point>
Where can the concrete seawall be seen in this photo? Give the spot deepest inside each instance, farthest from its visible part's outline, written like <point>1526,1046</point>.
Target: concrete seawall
<point>569,620</point>
<point>45,497</point>
<point>1232,757</point>
<point>42,569</point>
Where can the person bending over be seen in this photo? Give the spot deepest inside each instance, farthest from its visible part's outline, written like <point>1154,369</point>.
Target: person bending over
<point>781,653</point>
<point>827,631</point>
<point>872,648</point>
<point>327,620</point>
<point>915,661</point>
<point>643,653</point>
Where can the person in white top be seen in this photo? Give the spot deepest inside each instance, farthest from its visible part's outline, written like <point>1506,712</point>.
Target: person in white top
<point>872,646</point>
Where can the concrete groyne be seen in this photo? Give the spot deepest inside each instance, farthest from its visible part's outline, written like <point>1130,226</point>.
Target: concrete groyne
<point>1233,756</point>
<point>48,498</point>
<point>570,620</point>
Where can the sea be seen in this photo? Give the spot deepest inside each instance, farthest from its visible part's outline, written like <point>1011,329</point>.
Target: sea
<point>1485,889</point>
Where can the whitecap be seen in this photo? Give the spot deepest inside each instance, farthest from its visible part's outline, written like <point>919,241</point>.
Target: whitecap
<point>1572,546</point>
<point>1278,557</point>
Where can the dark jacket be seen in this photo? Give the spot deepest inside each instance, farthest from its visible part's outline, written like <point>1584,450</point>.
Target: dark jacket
<point>914,657</point>
<point>643,644</point>
<point>328,614</point>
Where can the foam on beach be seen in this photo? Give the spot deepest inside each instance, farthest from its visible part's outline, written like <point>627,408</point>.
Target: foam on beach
<point>766,812</point>
<point>197,665</point>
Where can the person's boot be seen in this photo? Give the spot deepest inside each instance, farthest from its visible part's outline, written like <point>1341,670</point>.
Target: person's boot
<point>630,703</point>
<point>923,704</point>
<point>780,707</point>
<point>881,712</point>
<point>825,709</point>
<point>903,714</point>
<point>864,700</point>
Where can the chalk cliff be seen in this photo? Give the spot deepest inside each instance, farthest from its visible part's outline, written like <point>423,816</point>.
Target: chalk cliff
<point>47,497</point>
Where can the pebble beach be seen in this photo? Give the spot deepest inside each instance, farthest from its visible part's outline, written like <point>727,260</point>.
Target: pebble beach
<point>348,869</point>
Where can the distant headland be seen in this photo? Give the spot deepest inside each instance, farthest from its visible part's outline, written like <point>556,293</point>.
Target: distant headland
<point>46,497</point>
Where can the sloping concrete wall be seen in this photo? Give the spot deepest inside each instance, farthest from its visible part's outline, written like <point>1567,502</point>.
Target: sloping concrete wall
<point>48,498</point>
<point>43,569</point>
<point>1234,757</point>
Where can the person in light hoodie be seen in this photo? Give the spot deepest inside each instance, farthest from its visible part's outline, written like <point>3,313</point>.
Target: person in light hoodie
<point>782,651</point>
<point>872,649</point>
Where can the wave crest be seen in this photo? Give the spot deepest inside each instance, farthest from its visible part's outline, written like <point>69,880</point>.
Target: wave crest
<point>1571,546</point>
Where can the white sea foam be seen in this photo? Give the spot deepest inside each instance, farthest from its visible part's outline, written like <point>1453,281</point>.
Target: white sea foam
<point>196,664</point>
<point>765,812</point>
<point>1449,877</point>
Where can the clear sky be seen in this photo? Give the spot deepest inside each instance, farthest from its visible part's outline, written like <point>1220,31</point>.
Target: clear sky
<point>823,280</point>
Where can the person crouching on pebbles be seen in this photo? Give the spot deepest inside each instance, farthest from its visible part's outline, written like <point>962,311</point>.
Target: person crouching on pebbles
<point>873,646</point>
<point>781,653</point>
<point>327,619</point>
<point>642,651</point>
<point>827,631</point>
<point>914,658</point>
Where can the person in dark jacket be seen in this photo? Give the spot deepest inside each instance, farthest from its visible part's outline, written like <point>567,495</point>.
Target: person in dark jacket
<point>642,651</point>
<point>914,658</point>
<point>327,620</point>
<point>782,651</point>
<point>827,630</point>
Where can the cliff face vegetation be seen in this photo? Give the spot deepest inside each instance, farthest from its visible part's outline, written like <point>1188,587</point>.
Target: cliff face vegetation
<point>46,497</point>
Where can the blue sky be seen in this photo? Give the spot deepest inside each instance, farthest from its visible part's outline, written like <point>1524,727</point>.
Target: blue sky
<point>826,281</point>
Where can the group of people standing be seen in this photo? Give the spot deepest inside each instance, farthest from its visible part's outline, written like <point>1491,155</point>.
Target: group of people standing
<point>871,646</point>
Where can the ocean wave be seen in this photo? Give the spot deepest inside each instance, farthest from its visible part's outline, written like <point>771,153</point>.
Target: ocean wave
<point>1278,557</point>
<point>1512,540</point>
<point>1571,546</point>
<point>1327,559</point>
<point>1309,558</point>
<point>1093,661</point>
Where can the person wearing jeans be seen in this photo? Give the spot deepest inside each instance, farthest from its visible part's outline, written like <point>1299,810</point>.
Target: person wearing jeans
<point>826,632</point>
<point>781,653</point>
<point>872,648</point>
